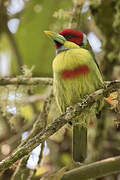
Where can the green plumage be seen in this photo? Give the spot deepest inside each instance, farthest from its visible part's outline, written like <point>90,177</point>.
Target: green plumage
<point>70,91</point>
<point>79,142</point>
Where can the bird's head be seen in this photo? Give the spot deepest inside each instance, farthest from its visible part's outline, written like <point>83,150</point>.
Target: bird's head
<point>72,35</point>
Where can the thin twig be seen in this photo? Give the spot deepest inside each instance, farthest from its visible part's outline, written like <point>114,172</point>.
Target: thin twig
<point>21,171</point>
<point>32,171</point>
<point>41,152</point>
<point>15,49</point>
<point>33,99</point>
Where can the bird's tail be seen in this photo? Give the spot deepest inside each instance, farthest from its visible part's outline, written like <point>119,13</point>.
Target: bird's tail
<point>79,143</point>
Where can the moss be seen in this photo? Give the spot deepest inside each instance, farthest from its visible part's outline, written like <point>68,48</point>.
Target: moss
<point>106,15</point>
<point>111,56</point>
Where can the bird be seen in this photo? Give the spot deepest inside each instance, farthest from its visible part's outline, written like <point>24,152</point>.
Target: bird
<point>75,74</point>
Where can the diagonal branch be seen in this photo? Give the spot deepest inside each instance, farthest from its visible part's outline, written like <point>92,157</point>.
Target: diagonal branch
<point>39,125</point>
<point>15,49</point>
<point>70,114</point>
<point>94,170</point>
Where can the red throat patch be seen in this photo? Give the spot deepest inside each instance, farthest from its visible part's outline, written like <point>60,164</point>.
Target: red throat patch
<point>80,70</point>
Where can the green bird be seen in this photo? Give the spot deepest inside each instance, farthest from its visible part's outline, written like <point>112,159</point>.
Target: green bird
<point>76,74</point>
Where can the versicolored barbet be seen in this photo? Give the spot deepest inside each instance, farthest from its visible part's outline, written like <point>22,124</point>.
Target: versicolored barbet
<point>76,74</point>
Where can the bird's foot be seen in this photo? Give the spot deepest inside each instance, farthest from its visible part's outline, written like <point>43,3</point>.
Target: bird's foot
<point>76,164</point>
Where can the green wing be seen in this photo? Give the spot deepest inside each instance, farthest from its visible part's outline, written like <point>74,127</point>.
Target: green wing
<point>89,48</point>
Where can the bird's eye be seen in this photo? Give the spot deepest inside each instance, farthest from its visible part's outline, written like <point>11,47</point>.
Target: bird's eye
<point>68,36</point>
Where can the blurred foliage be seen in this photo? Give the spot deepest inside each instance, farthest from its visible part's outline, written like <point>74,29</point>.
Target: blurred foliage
<point>32,42</point>
<point>27,45</point>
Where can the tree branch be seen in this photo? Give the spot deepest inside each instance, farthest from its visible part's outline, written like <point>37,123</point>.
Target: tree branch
<point>25,81</point>
<point>69,115</point>
<point>94,170</point>
<point>21,172</point>
<point>20,80</point>
<point>76,14</point>
<point>33,99</point>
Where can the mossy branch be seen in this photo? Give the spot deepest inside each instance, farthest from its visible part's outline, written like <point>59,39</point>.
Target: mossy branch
<point>94,170</point>
<point>69,115</point>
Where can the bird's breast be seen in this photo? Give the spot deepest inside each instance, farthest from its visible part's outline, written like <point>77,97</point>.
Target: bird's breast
<point>73,73</point>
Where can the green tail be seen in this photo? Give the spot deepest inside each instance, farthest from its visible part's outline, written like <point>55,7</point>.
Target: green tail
<point>79,143</point>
